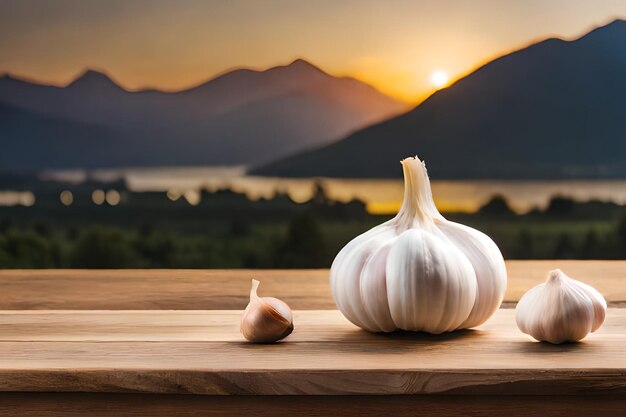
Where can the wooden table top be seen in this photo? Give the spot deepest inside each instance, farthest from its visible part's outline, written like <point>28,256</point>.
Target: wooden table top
<point>202,352</point>
<point>228,289</point>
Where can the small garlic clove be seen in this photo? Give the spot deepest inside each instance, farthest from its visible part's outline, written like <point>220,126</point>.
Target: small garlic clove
<point>265,319</point>
<point>560,310</point>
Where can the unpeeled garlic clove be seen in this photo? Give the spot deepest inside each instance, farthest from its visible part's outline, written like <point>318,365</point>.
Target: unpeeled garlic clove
<point>560,310</point>
<point>265,319</point>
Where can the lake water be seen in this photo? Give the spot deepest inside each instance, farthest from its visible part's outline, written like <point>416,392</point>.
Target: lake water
<point>381,195</point>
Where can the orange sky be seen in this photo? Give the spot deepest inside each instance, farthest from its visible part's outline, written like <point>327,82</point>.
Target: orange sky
<point>395,45</point>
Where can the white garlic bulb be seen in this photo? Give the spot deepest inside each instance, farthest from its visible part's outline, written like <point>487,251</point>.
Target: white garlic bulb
<point>418,271</point>
<point>560,310</point>
<point>265,319</point>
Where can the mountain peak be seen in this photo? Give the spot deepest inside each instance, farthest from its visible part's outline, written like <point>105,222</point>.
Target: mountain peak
<point>616,27</point>
<point>303,63</point>
<point>20,79</point>
<point>561,92</point>
<point>300,65</point>
<point>617,22</point>
<point>93,78</point>
<point>6,76</point>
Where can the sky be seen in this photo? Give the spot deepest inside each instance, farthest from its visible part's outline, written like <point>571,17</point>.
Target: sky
<point>405,48</point>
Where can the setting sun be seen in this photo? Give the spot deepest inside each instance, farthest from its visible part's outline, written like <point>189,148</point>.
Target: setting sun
<point>439,79</point>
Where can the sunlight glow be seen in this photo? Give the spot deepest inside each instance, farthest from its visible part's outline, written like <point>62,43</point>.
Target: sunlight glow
<point>389,208</point>
<point>439,79</point>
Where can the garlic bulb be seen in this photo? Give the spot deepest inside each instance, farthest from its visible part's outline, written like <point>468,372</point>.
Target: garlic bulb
<point>265,319</point>
<point>560,310</point>
<point>418,271</point>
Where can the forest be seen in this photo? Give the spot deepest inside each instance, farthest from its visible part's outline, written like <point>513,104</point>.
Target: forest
<point>226,230</point>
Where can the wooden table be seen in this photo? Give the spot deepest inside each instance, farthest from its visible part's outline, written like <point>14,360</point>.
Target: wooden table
<point>228,289</point>
<point>125,360</point>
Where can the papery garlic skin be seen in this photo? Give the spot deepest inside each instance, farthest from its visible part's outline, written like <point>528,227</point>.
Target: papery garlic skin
<point>560,310</point>
<point>418,271</point>
<point>265,319</point>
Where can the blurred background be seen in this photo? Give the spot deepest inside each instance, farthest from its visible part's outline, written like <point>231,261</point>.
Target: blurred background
<point>212,134</point>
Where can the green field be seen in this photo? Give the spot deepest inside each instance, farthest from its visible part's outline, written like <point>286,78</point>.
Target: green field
<point>230,232</point>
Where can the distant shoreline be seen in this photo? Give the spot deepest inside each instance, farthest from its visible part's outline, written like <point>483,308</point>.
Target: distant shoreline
<point>381,196</point>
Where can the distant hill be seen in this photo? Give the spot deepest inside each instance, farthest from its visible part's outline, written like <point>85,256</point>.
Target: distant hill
<point>30,141</point>
<point>241,117</point>
<point>556,109</point>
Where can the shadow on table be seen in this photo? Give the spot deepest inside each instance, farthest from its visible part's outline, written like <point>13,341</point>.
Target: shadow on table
<point>549,348</point>
<point>363,341</point>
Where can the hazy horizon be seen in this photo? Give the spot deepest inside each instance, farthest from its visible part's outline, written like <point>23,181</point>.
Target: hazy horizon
<point>405,49</point>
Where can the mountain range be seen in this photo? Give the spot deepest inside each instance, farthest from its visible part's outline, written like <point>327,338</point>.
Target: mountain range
<point>555,109</point>
<point>244,117</point>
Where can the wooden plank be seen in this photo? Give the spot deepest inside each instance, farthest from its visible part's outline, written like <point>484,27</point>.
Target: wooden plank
<point>133,405</point>
<point>228,289</point>
<point>202,352</point>
<point>158,289</point>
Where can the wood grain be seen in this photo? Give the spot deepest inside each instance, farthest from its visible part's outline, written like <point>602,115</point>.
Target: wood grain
<point>228,289</point>
<point>202,352</point>
<point>133,405</point>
